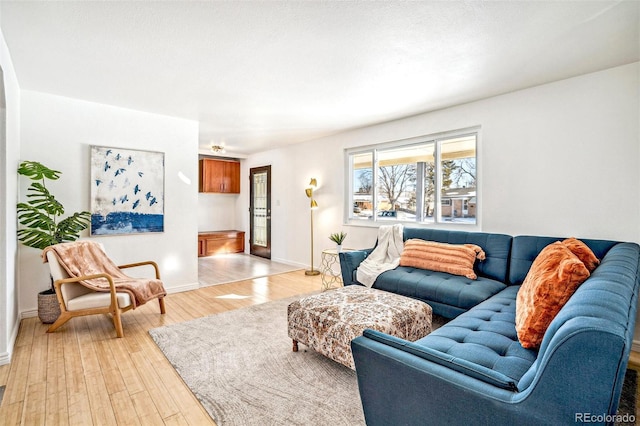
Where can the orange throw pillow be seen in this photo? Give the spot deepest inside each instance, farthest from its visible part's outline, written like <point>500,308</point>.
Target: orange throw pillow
<point>457,259</point>
<point>554,276</point>
<point>583,252</point>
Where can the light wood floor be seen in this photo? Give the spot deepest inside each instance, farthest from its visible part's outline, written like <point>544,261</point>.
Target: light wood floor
<point>225,268</point>
<point>83,375</point>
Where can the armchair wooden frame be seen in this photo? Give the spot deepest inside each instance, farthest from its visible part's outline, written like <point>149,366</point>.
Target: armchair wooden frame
<point>113,308</point>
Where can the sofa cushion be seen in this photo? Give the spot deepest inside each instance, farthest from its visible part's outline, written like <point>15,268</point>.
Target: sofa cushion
<point>485,337</point>
<point>438,288</point>
<point>461,365</point>
<point>457,259</point>
<point>554,276</point>
<point>583,252</point>
<point>496,247</point>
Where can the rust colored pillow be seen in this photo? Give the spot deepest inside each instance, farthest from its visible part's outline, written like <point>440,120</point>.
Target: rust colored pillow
<point>457,259</point>
<point>583,252</point>
<point>554,276</point>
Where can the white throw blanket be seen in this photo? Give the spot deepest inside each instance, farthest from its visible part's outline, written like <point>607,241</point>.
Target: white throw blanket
<point>384,257</point>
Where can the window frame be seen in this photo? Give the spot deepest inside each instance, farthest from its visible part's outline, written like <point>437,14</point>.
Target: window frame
<point>437,139</point>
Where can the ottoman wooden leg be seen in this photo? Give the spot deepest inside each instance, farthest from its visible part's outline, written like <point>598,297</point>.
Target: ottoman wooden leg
<point>295,346</point>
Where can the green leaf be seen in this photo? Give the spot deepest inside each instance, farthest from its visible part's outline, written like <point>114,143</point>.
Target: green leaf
<point>40,197</point>
<point>338,237</point>
<point>34,218</point>
<point>35,238</point>
<point>69,229</point>
<point>36,171</point>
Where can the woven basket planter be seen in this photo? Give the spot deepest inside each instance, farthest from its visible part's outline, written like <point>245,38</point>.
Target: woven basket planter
<point>48,307</point>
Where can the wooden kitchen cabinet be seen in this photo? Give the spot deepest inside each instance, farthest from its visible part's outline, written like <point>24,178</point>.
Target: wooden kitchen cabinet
<point>215,242</point>
<point>219,176</point>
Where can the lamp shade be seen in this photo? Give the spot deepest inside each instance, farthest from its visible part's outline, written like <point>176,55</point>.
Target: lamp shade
<point>314,205</point>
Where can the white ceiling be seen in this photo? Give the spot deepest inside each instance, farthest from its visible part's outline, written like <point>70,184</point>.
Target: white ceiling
<point>262,74</point>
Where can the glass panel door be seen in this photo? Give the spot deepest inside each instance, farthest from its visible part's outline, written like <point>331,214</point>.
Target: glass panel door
<point>260,211</point>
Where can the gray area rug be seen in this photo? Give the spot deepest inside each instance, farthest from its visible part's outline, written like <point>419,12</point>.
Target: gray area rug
<point>240,366</point>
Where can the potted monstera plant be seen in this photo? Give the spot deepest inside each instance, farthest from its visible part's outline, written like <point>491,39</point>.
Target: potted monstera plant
<point>42,226</point>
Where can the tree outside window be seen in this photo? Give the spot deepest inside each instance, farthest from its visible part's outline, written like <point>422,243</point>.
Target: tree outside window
<point>407,177</point>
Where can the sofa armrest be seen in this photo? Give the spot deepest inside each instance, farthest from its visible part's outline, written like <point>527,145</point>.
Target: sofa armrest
<point>399,387</point>
<point>349,262</point>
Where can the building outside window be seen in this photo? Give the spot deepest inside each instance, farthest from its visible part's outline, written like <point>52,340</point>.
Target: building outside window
<point>432,179</point>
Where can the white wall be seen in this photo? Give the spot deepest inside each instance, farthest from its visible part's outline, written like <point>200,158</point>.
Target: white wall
<point>217,212</point>
<point>9,153</point>
<point>291,170</point>
<point>58,132</point>
<point>558,159</point>
<point>561,159</point>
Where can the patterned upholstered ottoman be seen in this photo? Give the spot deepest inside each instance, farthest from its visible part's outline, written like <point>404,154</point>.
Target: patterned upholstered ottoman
<point>327,322</point>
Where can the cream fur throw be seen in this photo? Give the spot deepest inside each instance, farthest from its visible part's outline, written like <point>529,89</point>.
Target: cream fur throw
<point>384,257</point>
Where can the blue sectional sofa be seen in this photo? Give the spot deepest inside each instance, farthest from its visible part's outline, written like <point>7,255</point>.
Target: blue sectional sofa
<point>473,369</point>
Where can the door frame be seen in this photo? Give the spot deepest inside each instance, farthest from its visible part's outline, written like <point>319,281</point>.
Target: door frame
<point>259,250</point>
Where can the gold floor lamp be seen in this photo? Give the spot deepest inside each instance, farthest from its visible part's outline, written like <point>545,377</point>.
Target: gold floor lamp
<point>309,191</point>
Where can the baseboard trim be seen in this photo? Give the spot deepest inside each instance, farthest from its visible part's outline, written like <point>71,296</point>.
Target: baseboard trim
<point>29,314</point>
<point>183,287</point>
<point>288,262</point>
<point>5,357</point>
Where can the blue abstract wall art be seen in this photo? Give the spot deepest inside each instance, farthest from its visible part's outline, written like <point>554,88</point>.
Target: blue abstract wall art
<point>127,191</point>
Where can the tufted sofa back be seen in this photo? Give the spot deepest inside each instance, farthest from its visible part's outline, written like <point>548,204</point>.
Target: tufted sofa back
<point>525,248</point>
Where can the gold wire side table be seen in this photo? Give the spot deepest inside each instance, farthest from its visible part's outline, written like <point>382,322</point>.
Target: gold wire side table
<point>330,269</point>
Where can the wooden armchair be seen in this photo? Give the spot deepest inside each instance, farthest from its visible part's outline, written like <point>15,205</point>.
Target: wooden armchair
<point>109,292</point>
